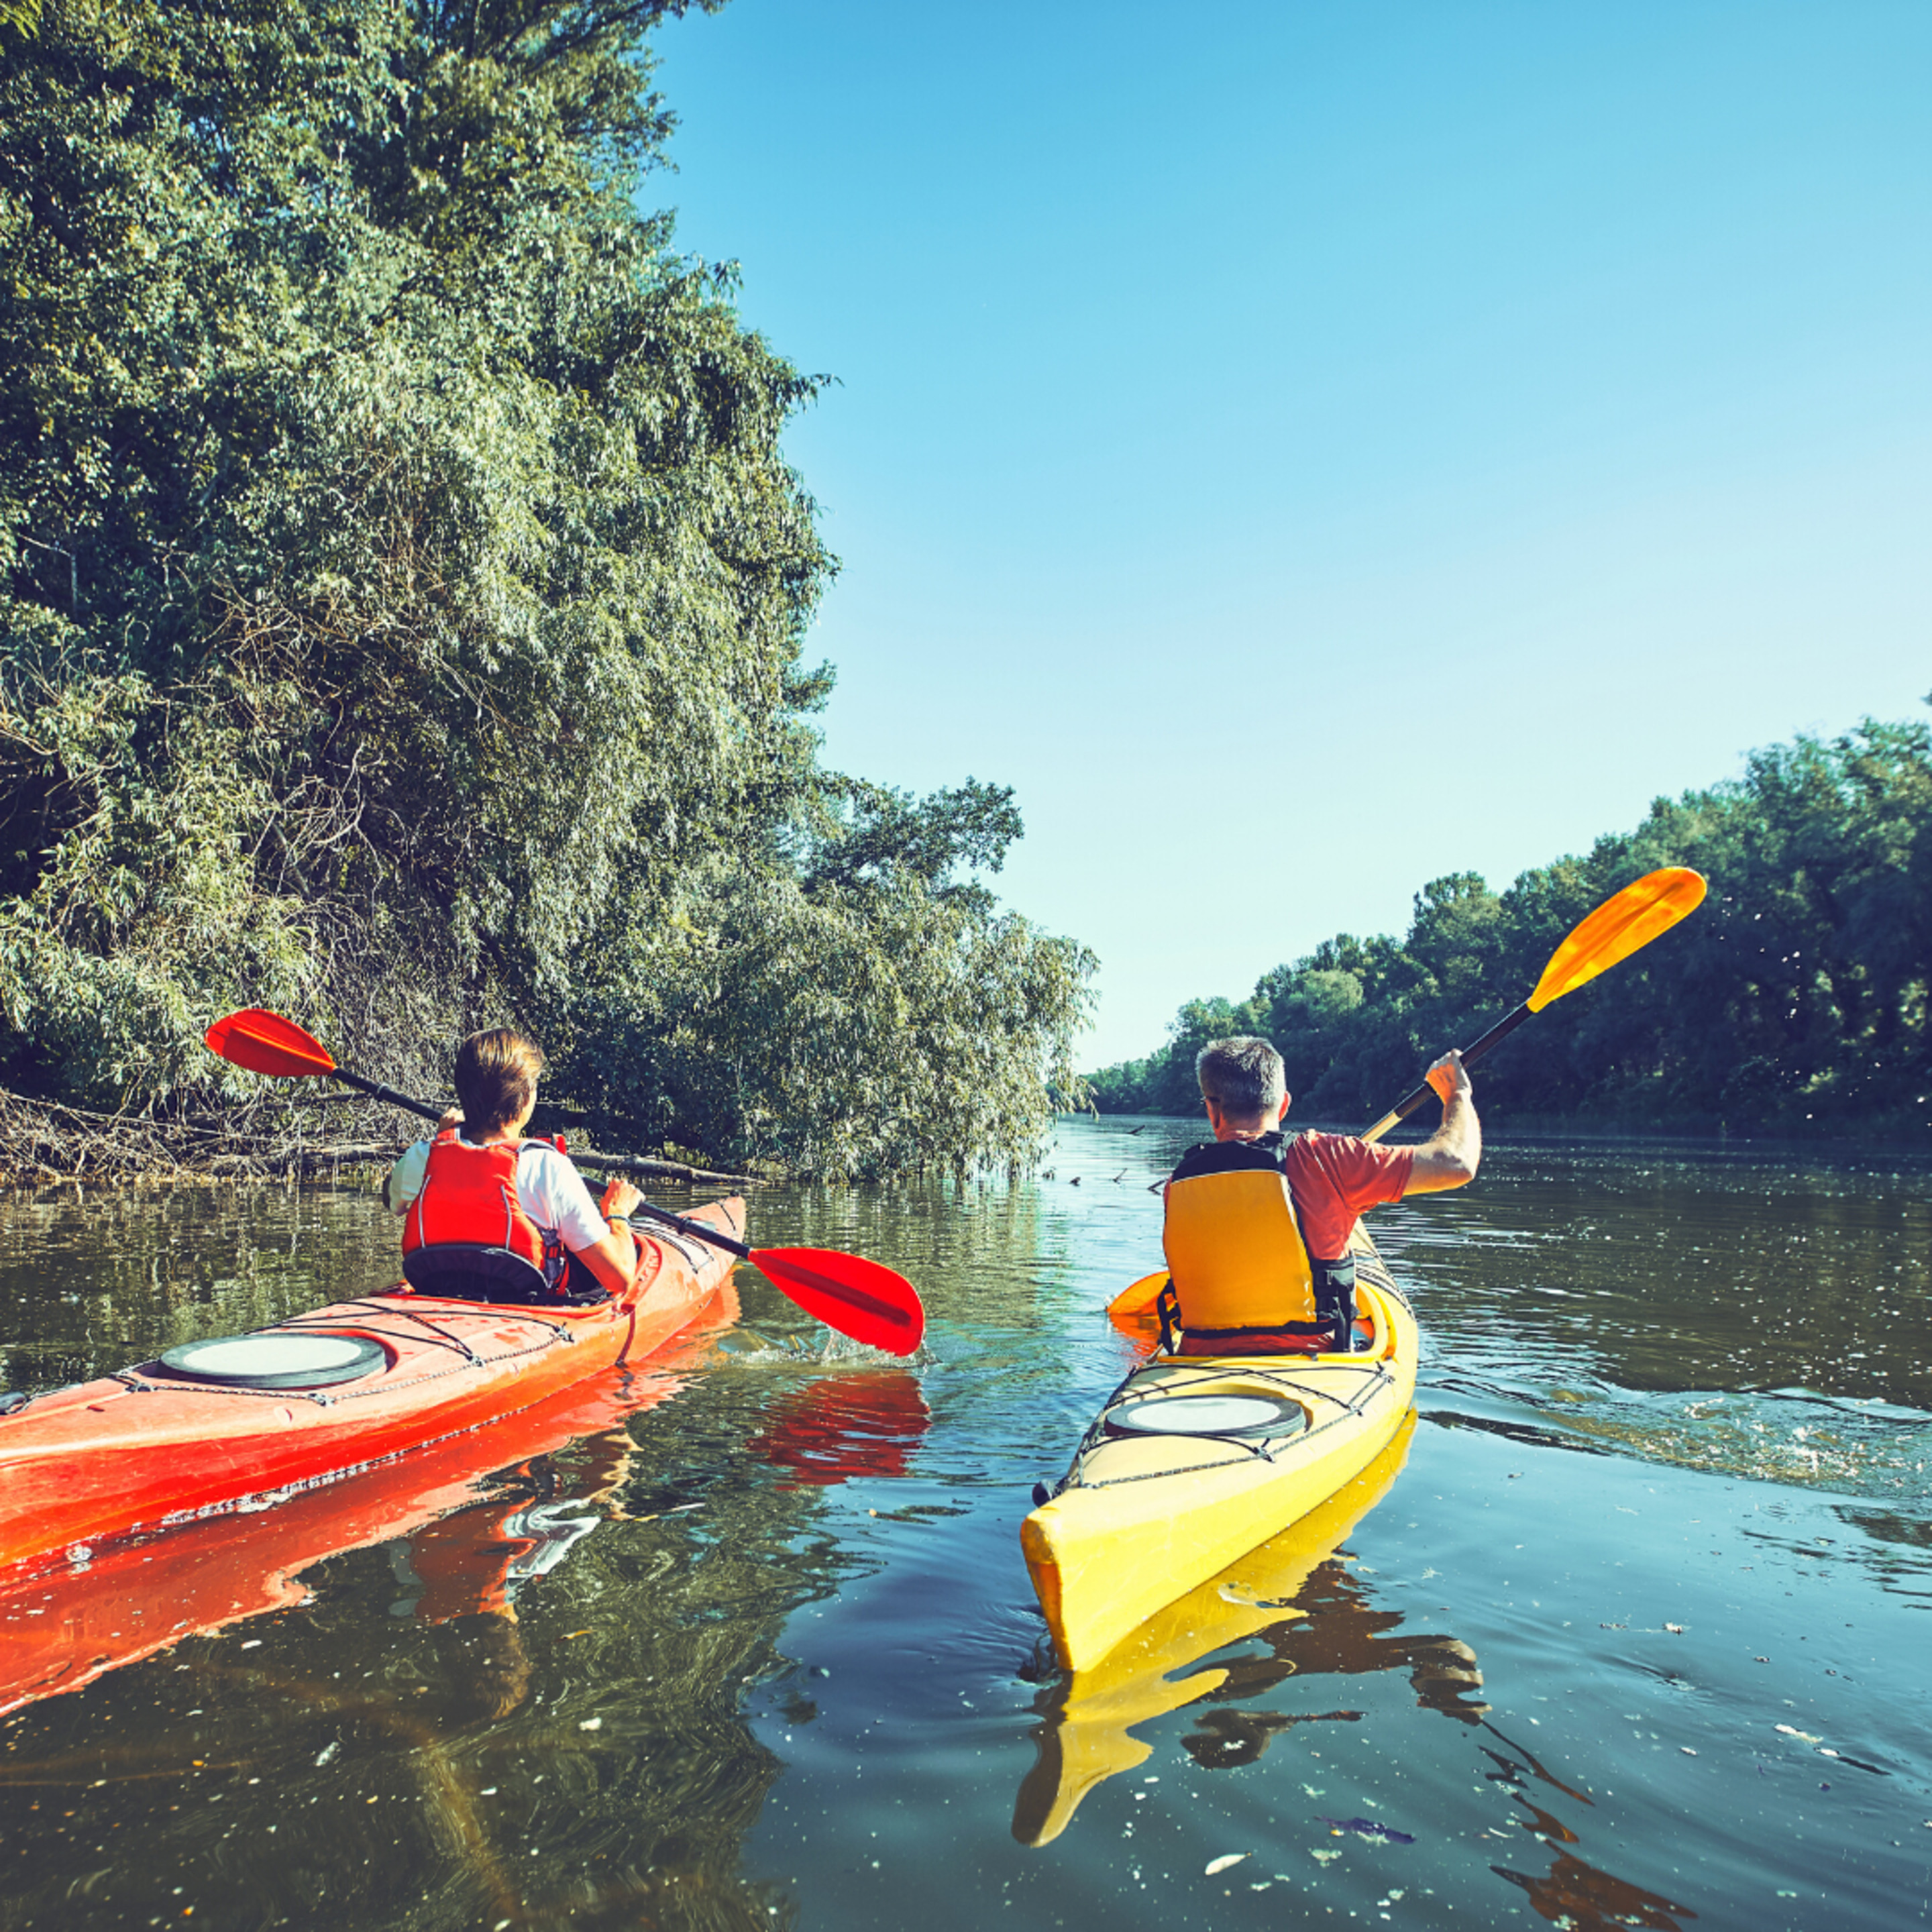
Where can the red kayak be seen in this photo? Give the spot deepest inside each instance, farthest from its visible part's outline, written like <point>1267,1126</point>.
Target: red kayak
<point>214,1424</point>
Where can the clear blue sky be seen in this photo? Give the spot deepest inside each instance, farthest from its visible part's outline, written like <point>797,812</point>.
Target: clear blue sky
<point>1306,448</point>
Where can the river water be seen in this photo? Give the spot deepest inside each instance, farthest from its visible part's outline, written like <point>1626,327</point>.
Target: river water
<point>1631,1631</point>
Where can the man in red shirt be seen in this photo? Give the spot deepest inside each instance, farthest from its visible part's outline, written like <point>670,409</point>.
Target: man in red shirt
<point>1331,1178</point>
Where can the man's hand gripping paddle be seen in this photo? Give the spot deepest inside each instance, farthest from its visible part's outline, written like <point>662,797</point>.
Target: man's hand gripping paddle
<point>859,1297</point>
<point>1624,923</point>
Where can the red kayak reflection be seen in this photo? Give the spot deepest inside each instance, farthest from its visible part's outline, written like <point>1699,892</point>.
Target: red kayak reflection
<point>835,1427</point>
<point>476,1558</point>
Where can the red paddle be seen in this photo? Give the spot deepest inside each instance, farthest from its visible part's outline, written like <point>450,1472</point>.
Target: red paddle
<point>859,1297</point>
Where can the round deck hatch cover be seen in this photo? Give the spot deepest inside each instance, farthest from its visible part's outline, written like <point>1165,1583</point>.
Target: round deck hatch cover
<point>1208,1415</point>
<point>274,1359</point>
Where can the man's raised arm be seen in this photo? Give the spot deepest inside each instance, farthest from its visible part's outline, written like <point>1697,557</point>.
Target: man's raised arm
<point>1450,1157</point>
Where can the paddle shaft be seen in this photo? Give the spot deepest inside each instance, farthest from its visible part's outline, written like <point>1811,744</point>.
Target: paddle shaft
<point>1410,1103</point>
<point>377,1091</point>
<point>701,1232</point>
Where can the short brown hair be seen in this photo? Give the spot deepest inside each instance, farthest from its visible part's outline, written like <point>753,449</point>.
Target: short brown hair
<point>496,1076</point>
<point>1242,1076</point>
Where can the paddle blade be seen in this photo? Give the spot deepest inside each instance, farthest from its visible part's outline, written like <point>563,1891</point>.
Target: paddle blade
<point>1623,923</point>
<point>264,1043</point>
<point>858,1298</point>
<point>1138,1298</point>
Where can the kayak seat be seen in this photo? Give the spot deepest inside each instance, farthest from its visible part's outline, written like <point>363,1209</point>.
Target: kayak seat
<point>1261,1343</point>
<point>470,1271</point>
<point>1294,1340</point>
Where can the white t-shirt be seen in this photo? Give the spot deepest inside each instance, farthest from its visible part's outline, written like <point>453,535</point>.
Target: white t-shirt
<point>549,1190</point>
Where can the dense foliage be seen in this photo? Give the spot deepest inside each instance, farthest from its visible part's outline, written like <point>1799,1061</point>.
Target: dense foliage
<point>404,593</point>
<point>1795,999</point>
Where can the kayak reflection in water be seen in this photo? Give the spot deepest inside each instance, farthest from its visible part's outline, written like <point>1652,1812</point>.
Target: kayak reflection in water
<point>1337,1634</point>
<point>837,1427</point>
<point>1314,1621</point>
<point>1571,1893</point>
<point>489,1215</point>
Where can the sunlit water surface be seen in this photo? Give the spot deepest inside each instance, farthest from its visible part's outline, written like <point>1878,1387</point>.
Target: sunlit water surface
<point>1638,1637</point>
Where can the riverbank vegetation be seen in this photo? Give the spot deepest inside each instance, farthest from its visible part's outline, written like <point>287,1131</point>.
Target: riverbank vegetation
<point>404,593</point>
<point>1794,1002</point>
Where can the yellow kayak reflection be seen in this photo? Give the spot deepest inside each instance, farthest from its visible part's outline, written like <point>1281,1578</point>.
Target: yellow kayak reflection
<point>1089,1715</point>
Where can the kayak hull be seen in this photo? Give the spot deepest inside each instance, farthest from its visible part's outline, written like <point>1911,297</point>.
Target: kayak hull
<point>1141,1520</point>
<point>143,1449</point>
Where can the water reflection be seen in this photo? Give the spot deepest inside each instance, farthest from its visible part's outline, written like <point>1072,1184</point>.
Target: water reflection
<point>1578,1897</point>
<point>1338,1634</point>
<point>517,1701</point>
<point>519,1741</point>
<point>835,1427</point>
<point>1290,1613</point>
<point>139,1595</point>
<point>1582,1899</point>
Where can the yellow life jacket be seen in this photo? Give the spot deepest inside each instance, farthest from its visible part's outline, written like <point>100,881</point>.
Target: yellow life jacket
<point>1235,1254</point>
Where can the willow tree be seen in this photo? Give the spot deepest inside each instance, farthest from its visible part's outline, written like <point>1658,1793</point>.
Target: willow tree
<point>405,592</point>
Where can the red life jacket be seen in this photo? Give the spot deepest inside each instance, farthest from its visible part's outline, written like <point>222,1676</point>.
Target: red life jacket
<point>466,1235</point>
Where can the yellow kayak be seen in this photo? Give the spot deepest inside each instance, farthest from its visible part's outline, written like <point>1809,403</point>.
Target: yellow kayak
<point>1196,1460</point>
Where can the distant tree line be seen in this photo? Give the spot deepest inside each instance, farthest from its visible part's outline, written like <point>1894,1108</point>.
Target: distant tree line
<point>1795,1000</point>
<point>402,596</point>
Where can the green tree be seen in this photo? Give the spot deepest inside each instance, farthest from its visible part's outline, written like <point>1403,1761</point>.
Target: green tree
<point>404,587</point>
<point>1795,1000</point>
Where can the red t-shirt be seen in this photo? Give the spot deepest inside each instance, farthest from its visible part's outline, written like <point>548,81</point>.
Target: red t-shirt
<point>1332,1177</point>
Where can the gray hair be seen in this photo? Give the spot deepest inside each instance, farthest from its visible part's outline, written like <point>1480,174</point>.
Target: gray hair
<point>1242,1076</point>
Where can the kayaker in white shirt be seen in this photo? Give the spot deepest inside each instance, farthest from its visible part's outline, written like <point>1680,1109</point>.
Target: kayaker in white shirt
<point>497,1082</point>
